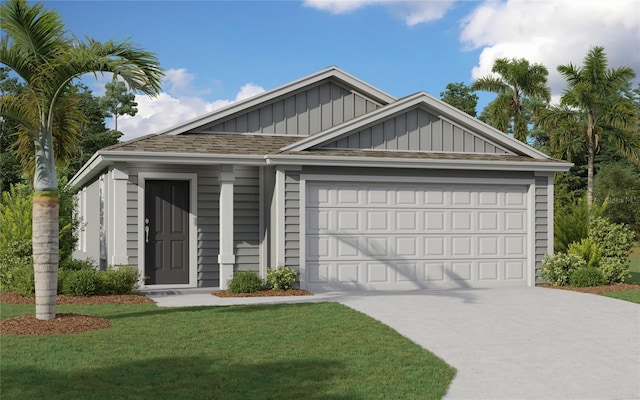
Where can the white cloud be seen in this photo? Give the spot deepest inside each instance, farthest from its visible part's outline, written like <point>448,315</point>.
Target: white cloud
<point>168,109</point>
<point>413,12</point>
<point>553,33</point>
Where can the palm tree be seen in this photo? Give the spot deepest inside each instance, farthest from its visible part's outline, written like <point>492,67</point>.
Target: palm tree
<point>591,107</point>
<point>516,79</point>
<point>38,50</point>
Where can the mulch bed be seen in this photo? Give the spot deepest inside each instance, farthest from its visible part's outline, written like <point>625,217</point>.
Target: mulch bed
<point>616,287</point>
<point>264,293</point>
<point>63,323</point>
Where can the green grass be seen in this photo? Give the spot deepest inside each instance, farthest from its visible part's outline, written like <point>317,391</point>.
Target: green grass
<point>634,256</point>
<point>631,295</point>
<point>310,351</point>
<point>628,295</point>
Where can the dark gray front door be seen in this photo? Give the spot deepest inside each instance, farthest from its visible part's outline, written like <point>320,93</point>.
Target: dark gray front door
<point>166,232</point>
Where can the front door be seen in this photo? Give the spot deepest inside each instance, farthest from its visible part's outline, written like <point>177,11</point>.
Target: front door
<point>166,225</point>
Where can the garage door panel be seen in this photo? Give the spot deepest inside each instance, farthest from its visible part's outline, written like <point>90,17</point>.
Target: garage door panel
<point>378,221</point>
<point>402,236</point>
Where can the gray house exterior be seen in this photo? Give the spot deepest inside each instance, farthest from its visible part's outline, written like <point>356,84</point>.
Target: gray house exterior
<point>328,175</point>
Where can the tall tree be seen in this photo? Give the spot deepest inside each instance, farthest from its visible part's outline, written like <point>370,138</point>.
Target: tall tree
<point>515,80</point>
<point>591,108</point>
<point>36,47</point>
<point>461,97</point>
<point>118,100</point>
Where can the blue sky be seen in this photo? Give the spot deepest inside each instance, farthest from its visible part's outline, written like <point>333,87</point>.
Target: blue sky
<point>215,52</point>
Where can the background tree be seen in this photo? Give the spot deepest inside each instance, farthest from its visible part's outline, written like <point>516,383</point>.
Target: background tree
<point>591,109</point>
<point>10,168</point>
<point>94,134</point>
<point>461,97</point>
<point>118,101</point>
<point>35,46</point>
<point>516,79</point>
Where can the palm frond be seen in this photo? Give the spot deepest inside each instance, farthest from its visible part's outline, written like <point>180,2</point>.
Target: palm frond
<point>490,84</point>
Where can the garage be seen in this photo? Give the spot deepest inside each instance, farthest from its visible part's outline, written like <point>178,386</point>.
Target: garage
<point>399,236</point>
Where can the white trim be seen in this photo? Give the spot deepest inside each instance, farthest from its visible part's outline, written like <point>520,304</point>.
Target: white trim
<point>118,216</point>
<point>302,228</point>
<point>417,179</point>
<point>83,215</point>
<point>280,210</point>
<point>262,246</point>
<point>226,224</point>
<point>193,222</point>
<point>531,233</point>
<point>525,182</point>
<point>422,163</point>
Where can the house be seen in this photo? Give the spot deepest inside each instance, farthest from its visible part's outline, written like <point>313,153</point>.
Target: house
<point>352,187</point>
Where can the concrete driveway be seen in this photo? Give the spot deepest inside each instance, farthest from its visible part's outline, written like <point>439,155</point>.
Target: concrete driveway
<point>515,343</point>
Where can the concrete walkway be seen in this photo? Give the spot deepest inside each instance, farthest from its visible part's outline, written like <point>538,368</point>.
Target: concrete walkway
<point>515,343</point>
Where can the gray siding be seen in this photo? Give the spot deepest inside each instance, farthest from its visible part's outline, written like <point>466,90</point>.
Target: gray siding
<point>292,219</point>
<point>416,130</point>
<point>208,227</point>
<point>306,112</point>
<point>541,223</point>
<point>246,216</point>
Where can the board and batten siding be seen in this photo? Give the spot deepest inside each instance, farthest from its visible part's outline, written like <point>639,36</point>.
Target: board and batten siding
<point>246,216</point>
<point>541,223</point>
<point>303,113</point>
<point>292,219</point>
<point>416,130</point>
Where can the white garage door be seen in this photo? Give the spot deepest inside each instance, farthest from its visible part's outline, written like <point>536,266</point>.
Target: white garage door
<point>404,236</point>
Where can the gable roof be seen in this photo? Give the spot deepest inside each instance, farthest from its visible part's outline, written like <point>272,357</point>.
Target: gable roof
<point>328,73</point>
<point>442,109</point>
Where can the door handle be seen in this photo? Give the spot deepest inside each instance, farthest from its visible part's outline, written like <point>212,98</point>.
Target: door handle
<point>146,230</point>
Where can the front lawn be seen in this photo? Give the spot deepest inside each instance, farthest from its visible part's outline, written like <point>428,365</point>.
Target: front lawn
<point>310,351</point>
<point>634,256</point>
<point>628,295</point>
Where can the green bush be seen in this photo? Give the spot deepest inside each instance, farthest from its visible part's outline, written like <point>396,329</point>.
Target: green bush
<point>84,282</point>
<point>72,264</point>
<point>588,250</point>
<point>587,276</point>
<point>571,223</point>
<point>16,275</point>
<point>245,282</point>
<point>557,268</point>
<point>615,270</point>
<point>615,239</point>
<point>121,279</point>
<point>281,278</point>
<point>15,220</point>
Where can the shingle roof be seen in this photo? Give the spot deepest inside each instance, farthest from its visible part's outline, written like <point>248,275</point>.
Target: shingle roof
<point>260,145</point>
<point>202,143</point>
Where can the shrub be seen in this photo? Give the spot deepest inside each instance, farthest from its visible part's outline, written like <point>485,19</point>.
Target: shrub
<point>121,279</point>
<point>615,239</point>
<point>620,183</point>
<point>281,278</point>
<point>557,268</point>
<point>615,270</point>
<point>72,264</point>
<point>15,220</point>
<point>84,282</point>
<point>571,223</point>
<point>16,275</point>
<point>245,282</point>
<point>587,276</point>
<point>588,250</point>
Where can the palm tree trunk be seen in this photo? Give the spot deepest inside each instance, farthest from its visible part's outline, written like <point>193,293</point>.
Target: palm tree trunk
<point>45,252</point>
